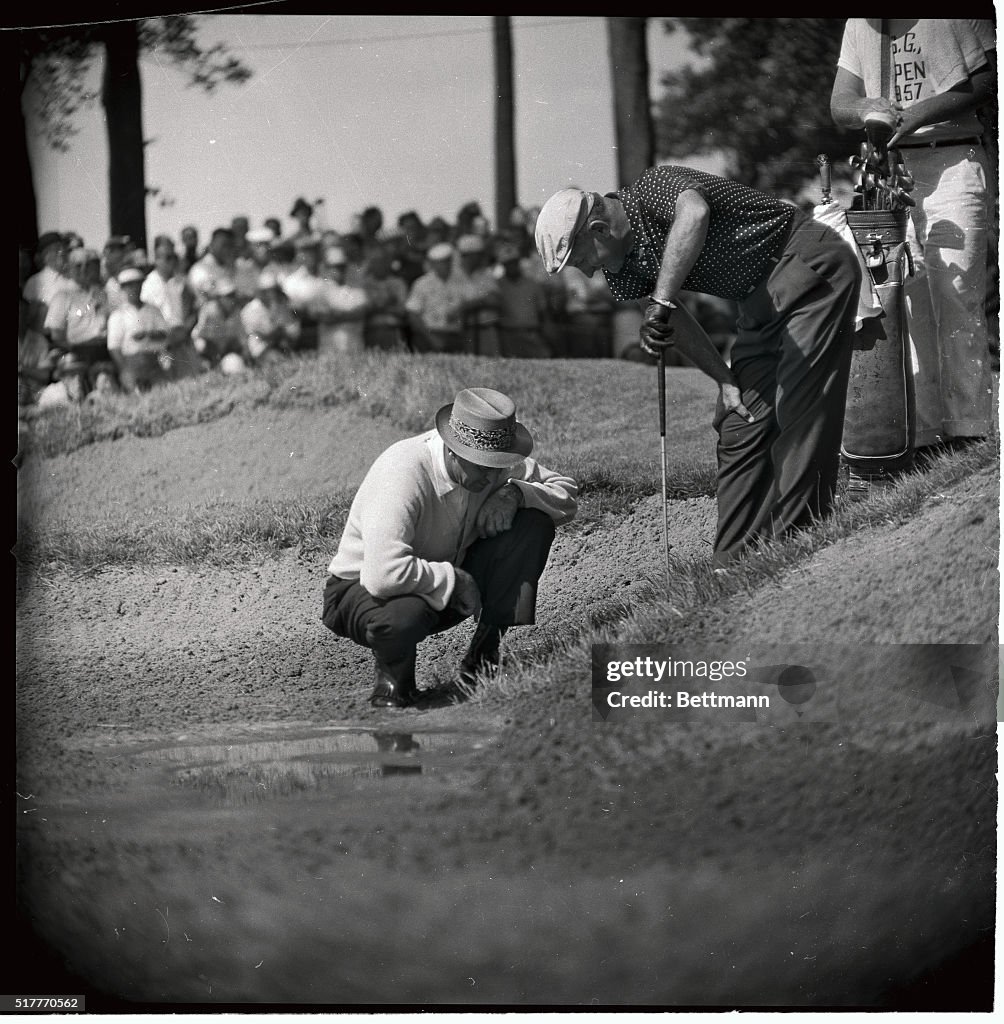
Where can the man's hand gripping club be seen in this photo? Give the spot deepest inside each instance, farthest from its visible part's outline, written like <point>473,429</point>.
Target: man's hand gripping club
<point>656,331</point>
<point>658,335</point>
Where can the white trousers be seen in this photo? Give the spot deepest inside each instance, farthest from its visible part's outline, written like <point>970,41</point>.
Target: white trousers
<point>946,296</point>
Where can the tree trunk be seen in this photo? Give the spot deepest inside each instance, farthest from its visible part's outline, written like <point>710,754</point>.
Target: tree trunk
<point>26,218</point>
<point>633,128</point>
<point>121,94</point>
<point>505,144</point>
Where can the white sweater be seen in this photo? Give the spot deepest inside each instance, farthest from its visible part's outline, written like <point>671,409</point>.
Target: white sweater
<point>410,524</point>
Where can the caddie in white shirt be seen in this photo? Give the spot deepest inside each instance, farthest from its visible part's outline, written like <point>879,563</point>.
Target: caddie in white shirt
<point>454,522</point>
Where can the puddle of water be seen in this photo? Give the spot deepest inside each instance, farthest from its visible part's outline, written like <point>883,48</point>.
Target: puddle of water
<point>241,773</point>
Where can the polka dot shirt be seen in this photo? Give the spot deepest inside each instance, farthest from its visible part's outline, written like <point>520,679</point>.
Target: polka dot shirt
<point>746,233</point>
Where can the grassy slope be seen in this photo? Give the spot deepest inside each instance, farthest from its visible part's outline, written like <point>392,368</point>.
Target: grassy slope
<point>597,420</point>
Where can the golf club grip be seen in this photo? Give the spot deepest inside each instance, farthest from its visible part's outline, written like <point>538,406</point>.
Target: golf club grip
<point>825,176</point>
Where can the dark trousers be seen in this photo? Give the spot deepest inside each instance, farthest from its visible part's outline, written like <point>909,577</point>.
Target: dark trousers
<point>506,569</point>
<point>792,357</point>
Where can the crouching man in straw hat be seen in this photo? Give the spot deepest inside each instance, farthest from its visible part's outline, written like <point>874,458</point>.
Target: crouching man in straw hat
<point>454,522</point>
<point>781,404</point>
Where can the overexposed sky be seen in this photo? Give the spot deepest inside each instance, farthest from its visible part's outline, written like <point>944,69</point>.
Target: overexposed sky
<point>396,112</point>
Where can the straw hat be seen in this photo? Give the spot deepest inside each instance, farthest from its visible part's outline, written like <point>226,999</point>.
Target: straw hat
<point>480,426</point>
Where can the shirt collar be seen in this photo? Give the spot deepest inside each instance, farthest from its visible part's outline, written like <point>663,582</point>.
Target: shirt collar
<point>441,479</point>
<point>646,253</point>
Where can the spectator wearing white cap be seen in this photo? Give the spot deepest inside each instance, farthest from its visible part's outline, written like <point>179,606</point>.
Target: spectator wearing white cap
<point>252,258</point>
<point>435,305</point>
<point>305,290</point>
<point>481,296</point>
<point>215,267</point>
<point>270,325</point>
<point>137,337</point>
<point>77,324</point>
<point>166,287</point>
<point>345,307</point>
<point>218,331</point>
<point>263,245</point>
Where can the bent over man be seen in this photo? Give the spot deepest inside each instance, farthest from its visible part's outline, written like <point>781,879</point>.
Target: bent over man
<point>454,522</point>
<point>781,404</point>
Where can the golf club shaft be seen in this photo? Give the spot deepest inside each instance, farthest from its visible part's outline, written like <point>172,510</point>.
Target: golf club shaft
<point>662,437</point>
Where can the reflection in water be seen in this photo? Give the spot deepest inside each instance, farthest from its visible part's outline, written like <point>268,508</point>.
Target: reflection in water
<point>399,742</point>
<point>243,774</point>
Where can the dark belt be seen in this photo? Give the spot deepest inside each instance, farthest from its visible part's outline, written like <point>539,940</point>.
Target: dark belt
<point>939,142</point>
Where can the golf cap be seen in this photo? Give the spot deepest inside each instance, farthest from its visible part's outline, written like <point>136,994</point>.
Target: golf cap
<point>441,251</point>
<point>559,220</point>
<point>260,236</point>
<point>130,274</point>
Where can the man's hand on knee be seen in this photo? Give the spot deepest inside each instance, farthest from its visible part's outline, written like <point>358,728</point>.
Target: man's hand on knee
<point>466,597</point>
<point>498,512</point>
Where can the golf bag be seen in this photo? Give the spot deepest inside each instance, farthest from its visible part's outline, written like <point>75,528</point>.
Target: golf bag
<point>878,422</point>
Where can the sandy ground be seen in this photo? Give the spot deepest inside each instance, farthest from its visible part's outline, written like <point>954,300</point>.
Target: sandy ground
<point>211,813</point>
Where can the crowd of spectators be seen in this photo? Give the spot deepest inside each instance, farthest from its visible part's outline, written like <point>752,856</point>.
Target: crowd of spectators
<point>116,320</point>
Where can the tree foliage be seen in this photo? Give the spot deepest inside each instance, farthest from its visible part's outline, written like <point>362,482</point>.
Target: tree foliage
<point>59,61</point>
<point>174,37</point>
<point>759,94</point>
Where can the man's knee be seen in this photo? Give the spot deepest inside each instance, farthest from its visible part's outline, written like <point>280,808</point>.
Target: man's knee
<point>400,620</point>
<point>530,536</point>
<point>535,522</point>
